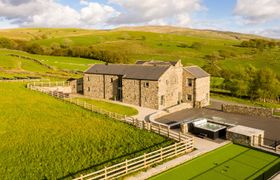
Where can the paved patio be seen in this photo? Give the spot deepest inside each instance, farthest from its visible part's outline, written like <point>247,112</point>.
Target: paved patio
<point>270,125</point>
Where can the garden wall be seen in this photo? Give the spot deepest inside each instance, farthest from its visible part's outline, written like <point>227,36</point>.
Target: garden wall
<point>256,111</point>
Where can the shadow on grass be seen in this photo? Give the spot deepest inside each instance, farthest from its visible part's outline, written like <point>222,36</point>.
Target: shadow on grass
<point>119,159</point>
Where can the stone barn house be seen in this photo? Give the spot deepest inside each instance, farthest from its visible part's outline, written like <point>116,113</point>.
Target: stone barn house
<point>153,84</point>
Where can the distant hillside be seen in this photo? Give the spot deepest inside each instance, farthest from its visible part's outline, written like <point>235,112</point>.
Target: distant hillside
<point>192,32</point>
<point>193,47</point>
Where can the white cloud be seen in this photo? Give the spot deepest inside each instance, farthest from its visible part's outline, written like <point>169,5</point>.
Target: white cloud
<point>271,32</point>
<point>49,13</point>
<point>258,11</point>
<point>95,13</point>
<point>163,11</point>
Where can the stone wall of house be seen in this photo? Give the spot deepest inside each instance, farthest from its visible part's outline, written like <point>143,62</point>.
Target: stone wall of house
<point>202,92</point>
<point>131,91</point>
<point>170,88</point>
<point>149,94</point>
<point>257,111</point>
<point>111,87</point>
<point>73,86</point>
<point>199,90</point>
<point>94,85</point>
<point>76,85</point>
<point>186,89</point>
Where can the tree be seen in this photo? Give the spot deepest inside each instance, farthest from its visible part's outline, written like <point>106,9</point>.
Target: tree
<point>196,45</point>
<point>34,48</point>
<point>212,66</point>
<point>7,43</point>
<point>265,86</point>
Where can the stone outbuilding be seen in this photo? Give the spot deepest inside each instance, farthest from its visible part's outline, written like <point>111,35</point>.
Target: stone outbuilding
<point>151,84</point>
<point>245,135</point>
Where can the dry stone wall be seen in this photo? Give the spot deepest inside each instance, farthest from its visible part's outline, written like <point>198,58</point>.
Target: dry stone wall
<point>256,111</point>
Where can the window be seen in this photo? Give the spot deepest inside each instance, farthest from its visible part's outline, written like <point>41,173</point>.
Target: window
<point>189,82</point>
<point>88,89</point>
<point>162,100</point>
<point>175,80</point>
<point>112,80</point>
<point>88,78</point>
<point>189,97</point>
<point>146,84</point>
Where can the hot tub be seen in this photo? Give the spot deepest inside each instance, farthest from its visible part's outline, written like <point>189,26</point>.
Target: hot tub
<point>211,130</point>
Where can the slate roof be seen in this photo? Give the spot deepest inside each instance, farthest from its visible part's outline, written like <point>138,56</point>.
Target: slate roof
<point>139,72</point>
<point>173,63</point>
<point>196,71</point>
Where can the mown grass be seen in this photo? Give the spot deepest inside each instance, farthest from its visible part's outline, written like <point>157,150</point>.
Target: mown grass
<point>46,138</point>
<point>245,101</point>
<point>229,162</point>
<point>111,107</point>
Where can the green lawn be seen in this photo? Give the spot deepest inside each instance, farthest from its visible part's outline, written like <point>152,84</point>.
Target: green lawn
<point>111,107</point>
<point>46,138</point>
<point>245,101</point>
<point>229,162</point>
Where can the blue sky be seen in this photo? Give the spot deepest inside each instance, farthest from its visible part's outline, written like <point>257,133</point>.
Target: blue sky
<point>247,16</point>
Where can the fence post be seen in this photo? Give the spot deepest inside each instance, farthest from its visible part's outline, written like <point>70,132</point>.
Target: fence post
<point>176,149</point>
<point>126,168</point>
<point>105,172</point>
<point>179,136</point>
<point>145,165</point>
<point>161,154</point>
<point>159,128</point>
<point>82,177</point>
<point>168,131</point>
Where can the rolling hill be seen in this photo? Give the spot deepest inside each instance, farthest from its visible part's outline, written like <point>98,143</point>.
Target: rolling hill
<point>158,43</point>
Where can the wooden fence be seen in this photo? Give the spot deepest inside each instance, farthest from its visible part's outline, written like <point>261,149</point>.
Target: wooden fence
<point>141,162</point>
<point>184,142</point>
<point>56,94</point>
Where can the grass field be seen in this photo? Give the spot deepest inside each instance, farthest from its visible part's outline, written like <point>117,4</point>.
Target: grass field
<point>111,107</point>
<point>162,43</point>
<point>229,162</point>
<point>46,138</point>
<point>11,66</point>
<point>245,101</point>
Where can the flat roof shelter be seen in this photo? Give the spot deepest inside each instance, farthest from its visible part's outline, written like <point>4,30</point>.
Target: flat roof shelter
<point>245,135</point>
